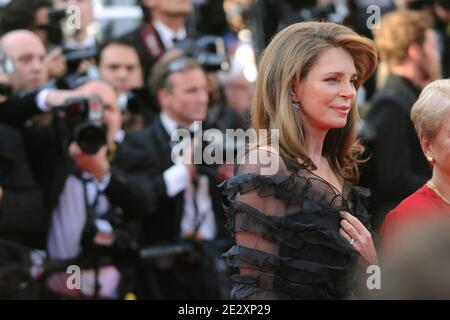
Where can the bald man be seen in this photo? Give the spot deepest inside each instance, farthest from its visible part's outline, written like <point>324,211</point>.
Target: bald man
<point>25,52</point>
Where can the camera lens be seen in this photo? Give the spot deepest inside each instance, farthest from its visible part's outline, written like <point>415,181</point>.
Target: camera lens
<point>91,137</point>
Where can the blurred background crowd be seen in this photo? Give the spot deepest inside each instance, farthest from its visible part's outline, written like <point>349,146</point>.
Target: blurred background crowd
<point>90,96</point>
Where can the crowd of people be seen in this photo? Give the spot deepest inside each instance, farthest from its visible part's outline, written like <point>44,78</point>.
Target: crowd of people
<point>88,175</point>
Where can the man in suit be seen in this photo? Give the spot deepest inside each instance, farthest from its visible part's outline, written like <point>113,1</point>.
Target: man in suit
<point>408,44</point>
<point>188,202</point>
<point>164,24</point>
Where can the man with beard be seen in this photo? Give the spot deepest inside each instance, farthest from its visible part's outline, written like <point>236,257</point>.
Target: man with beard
<point>409,46</point>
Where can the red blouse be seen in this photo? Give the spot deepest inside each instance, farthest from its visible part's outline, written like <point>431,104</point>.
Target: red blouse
<point>424,203</point>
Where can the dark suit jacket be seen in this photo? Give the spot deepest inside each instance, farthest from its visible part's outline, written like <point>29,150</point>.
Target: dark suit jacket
<point>398,167</point>
<point>147,60</point>
<point>17,109</point>
<point>22,215</point>
<point>153,151</point>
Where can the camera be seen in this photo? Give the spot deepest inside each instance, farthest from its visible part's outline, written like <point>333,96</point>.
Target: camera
<point>107,235</point>
<point>54,30</point>
<point>83,118</point>
<point>72,81</point>
<point>138,101</point>
<point>208,50</point>
<point>227,145</point>
<point>311,13</point>
<point>75,56</point>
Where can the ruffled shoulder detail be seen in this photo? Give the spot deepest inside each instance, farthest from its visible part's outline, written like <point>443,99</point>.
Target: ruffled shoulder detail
<point>283,187</point>
<point>299,190</point>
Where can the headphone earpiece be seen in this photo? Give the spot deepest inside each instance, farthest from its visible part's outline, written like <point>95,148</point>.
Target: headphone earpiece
<point>8,65</point>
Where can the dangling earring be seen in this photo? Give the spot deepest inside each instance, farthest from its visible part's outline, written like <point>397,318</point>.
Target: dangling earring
<point>431,160</point>
<point>296,104</point>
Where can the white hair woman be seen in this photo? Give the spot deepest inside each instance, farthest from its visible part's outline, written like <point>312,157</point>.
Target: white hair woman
<point>431,118</point>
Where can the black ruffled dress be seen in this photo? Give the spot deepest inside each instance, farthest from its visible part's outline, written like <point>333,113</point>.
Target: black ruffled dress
<point>296,213</point>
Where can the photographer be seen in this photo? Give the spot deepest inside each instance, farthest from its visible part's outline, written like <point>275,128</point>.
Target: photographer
<point>26,72</point>
<point>24,60</point>
<point>188,201</point>
<point>23,217</point>
<point>39,17</point>
<point>66,164</point>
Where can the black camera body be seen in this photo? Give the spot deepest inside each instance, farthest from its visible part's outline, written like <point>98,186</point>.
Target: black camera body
<point>55,16</point>
<point>138,101</point>
<point>316,12</point>
<point>73,80</point>
<point>108,236</point>
<point>209,51</point>
<point>75,56</point>
<point>83,118</point>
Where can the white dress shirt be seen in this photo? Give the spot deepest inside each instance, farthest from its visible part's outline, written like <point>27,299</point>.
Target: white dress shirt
<point>167,35</point>
<point>66,228</point>
<point>177,179</point>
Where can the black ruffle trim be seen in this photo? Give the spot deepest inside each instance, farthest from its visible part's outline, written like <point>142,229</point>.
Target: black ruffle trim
<point>292,278</point>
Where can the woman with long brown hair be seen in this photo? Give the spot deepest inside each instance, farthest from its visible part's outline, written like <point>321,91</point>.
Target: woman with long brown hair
<point>300,229</point>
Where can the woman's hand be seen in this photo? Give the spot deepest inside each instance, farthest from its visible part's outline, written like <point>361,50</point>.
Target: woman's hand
<point>358,235</point>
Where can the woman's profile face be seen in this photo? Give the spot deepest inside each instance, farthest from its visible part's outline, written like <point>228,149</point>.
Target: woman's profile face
<point>440,147</point>
<point>328,91</point>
